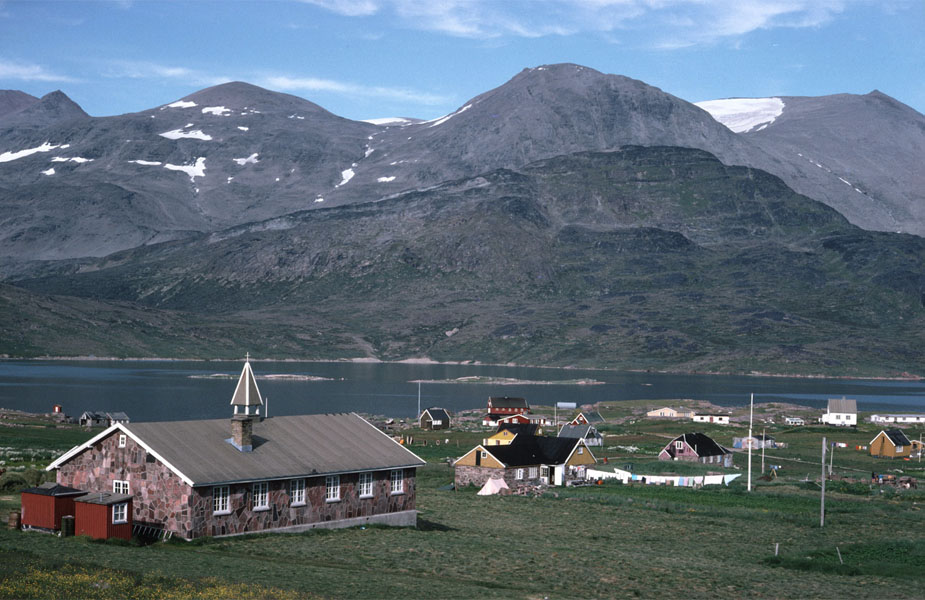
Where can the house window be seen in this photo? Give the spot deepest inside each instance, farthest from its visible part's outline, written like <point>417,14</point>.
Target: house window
<point>220,497</point>
<point>122,440</point>
<point>261,495</point>
<point>366,485</point>
<point>532,472</point>
<point>332,488</point>
<point>679,445</point>
<point>120,512</point>
<point>519,474</point>
<point>398,481</point>
<point>581,450</point>
<point>297,492</point>
<point>484,454</point>
<point>899,449</point>
<point>544,472</point>
<point>120,487</point>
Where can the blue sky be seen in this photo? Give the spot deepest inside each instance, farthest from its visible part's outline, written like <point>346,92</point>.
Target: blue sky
<point>424,58</point>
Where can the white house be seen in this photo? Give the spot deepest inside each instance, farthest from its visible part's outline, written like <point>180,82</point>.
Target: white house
<point>715,419</point>
<point>794,421</point>
<point>895,418</point>
<point>842,412</point>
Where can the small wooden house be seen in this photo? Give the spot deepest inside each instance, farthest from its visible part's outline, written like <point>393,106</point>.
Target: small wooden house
<point>696,447</point>
<point>504,406</point>
<point>529,460</point>
<point>666,412</point>
<point>93,419</point>
<point>890,443</point>
<point>711,418</point>
<point>508,431</point>
<point>43,506</point>
<point>842,412</point>
<point>794,421</point>
<point>103,515</point>
<point>587,432</point>
<point>434,418</point>
<point>591,417</point>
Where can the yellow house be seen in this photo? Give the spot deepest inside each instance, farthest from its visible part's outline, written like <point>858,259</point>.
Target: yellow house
<point>506,434</point>
<point>526,460</point>
<point>891,443</point>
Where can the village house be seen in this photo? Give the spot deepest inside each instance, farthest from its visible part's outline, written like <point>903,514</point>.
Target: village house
<point>587,432</point>
<point>714,418</point>
<point>670,413</point>
<point>842,412</point>
<point>890,443</point>
<point>696,447</point>
<point>794,421</point>
<point>528,460</point>
<point>434,418</point>
<point>504,406</point>
<point>220,477</point>
<point>756,442</point>
<point>93,419</point>
<point>908,419</point>
<point>587,418</point>
<point>508,431</point>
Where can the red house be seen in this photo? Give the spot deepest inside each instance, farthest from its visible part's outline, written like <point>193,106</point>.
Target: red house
<point>103,515</point>
<point>43,506</point>
<point>504,406</point>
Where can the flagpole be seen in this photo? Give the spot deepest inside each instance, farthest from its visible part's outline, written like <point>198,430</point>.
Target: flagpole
<point>751,413</point>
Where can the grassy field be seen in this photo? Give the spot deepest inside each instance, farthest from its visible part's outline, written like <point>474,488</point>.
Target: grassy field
<point>599,541</point>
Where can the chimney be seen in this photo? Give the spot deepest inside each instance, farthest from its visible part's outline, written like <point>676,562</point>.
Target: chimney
<point>242,432</point>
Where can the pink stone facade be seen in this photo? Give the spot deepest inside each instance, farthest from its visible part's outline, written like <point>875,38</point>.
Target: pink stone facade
<point>162,500</point>
<point>477,476</point>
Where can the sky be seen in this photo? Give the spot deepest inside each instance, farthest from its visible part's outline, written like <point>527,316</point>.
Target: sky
<point>364,59</point>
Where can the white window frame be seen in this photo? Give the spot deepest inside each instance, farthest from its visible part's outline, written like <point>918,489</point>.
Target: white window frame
<point>261,492</point>
<point>332,488</point>
<point>581,449</point>
<point>397,481</point>
<point>120,486</point>
<point>365,485</point>
<point>899,449</point>
<point>122,437</point>
<point>221,500</point>
<point>679,445</point>
<point>519,474</point>
<point>120,513</point>
<point>297,492</point>
<point>533,472</point>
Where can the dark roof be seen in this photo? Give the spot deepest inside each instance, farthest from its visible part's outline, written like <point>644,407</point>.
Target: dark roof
<point>578,431</point>
<point>437,414</point>
<point>53,489</point>
<point>534,450</point>
<point>897,437</point>
<point>118,416</point>
<point>592,416</point>
<point>294,446</point>
<point>524,428</point>
<point>704,444</point>
<point>104,498</point>
<point>507,402</point>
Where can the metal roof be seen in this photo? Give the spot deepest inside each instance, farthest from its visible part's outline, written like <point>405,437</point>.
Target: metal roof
<point>507,402</point>
<point>576,431</point>
<point>283,447</point>
<point>843,405</point>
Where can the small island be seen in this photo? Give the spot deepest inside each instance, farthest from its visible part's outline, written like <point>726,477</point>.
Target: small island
<point>481,379</point>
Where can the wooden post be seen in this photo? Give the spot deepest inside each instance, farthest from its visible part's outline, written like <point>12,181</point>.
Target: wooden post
<point>822,501</point>
<point>764,442</point>
<point>840,561</point>
<point>831,458</point>
<point>751,412</point>
<point>776,547</point>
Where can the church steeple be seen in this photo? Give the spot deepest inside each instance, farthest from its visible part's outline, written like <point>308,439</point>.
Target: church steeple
<point>246,396</point>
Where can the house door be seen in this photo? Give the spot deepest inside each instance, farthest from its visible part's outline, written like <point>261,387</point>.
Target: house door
<point>544,475</point>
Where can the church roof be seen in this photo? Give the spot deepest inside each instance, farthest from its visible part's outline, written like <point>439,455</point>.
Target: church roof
<point>246,393</point>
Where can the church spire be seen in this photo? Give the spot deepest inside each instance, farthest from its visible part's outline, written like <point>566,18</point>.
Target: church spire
<point>246,395</point>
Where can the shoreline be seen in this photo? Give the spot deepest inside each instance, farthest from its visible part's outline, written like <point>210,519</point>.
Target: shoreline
<point>472,363</point>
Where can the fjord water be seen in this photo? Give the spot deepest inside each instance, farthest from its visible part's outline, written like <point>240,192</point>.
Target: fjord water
<point>177,390</point>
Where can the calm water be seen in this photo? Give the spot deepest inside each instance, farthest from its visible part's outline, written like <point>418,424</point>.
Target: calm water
<point>165,390</point>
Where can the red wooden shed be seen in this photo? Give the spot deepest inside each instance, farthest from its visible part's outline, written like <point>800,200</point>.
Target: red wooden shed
<point>43,506</point>
<point>103,515</point>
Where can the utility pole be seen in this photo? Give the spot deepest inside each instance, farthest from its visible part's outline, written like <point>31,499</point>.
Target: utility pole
<point>751,413</point>
<point>822,502</point>
<point>831,458</point>
<point>764,442</point>
<point>419,399</point>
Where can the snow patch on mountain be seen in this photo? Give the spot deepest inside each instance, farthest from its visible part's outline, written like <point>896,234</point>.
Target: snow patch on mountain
<point>194,171</point>
<point>195,134</point>
<point>242,128</point>
<point>386,179</point>
<point>744,114</point>
<point>76,159</point>
<point>50,171</point>
<point>180,104</point>
<point>218,111</point>
<point>346,175</point>
<point>446,118</point>
<point>400,121</point>
<point>250,160</point>
<point>147,163</point>
<point>46,147</point>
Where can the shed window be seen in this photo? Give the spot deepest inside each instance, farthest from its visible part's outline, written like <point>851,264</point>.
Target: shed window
<point>120,487</point>
<point>366,485</point>
<point>261,495</point>
<point>332,488</point>
<point>120,512</point>
<point>398,481</point>
<point>220,497</point>
<point>297,491</point>
<point>122,440</point>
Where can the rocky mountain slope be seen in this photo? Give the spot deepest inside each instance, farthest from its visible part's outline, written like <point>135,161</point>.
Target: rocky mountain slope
<point>646,258</point>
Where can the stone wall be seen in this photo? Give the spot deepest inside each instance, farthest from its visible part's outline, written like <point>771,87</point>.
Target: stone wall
<point>477,476</point>
<point>161,498</point>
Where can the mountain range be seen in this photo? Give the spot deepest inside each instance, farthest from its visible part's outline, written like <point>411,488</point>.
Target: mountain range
<point>567,218</point>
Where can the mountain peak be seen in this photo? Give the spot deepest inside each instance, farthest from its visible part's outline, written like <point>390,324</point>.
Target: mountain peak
<point>52,107</point>
<point>12,101</point>
<point>238,95</point>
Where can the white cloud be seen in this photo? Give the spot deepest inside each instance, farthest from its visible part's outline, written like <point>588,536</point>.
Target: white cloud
<point>149,70</point>
<point>671,23</point>
<point>30,72</point>
<point>315,84</point>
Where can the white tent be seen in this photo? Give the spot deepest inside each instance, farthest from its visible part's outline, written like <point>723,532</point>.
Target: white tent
<point>493,486</point>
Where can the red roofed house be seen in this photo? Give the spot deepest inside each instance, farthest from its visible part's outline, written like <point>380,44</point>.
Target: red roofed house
<point>212,477</point>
